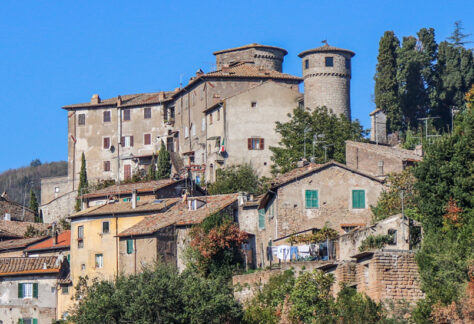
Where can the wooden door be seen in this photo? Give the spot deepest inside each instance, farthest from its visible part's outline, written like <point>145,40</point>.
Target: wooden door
<point>127,171</point>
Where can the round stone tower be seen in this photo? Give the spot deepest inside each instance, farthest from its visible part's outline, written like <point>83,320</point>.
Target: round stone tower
<point>263,56</point>
<point>327,78</point>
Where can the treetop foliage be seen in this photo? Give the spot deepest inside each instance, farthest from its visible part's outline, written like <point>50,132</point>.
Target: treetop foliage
<point>236,178</point>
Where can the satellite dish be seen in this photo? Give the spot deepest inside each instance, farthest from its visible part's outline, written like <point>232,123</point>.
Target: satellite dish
<point>112,149</point>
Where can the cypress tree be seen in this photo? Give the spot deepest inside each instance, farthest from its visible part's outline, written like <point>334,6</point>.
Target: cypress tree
<point>386,86</point>
<point>164,163</point>
<point>151,174</point>
<point>83,183</point>
<point>34,204</point>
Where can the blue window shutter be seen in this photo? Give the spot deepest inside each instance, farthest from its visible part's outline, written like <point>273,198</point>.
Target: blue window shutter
<point>35,290</point>
<point>20,290</point>
<point>261,218</point>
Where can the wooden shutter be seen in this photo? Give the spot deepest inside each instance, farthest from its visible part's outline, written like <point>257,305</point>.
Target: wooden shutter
<point>262,145</point>
<point>122,141</point>
<point>311,199</point>
<point>362,198</point>
<point>35,290</point>
<point>20,321</point>
<point>131,140</point>
<point>249,142</point>
<point>129,246</point>
<point>35,321</point>
<point>20,290</point>
<point>358,198</point>
<point>261,218</point>
<point>106,142</point>
<point>147,139</point>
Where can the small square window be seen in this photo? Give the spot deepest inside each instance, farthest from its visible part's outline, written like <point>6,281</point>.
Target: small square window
<point>329,61</point>
<point>147,113</point>
<point>256,144</point>
<point>81,119</point>
<point>253,104</point>
<point>56,189</point>
<point>105,227</point>
<point>126,114</point>
<point>64,290</point>
<point>106,166</point>
<point>106,116</point>
<point>306,64</point>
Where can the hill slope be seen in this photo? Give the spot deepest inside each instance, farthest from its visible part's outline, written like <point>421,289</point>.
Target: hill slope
<point>18,182</point>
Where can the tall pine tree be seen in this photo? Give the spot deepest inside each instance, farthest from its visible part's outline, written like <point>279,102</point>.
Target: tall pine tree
<point>34,204</point>
<point>164,163</point>
<point>386,85</point>
<point>151,173</point>
<point>83,183</point>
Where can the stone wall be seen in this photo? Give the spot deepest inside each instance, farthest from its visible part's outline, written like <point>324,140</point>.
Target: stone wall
<point>54,187</point>
<point>59,207</point>
<point>264,57</point>
<point>17,211</point>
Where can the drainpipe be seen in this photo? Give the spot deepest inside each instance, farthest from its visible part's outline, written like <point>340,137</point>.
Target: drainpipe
<point>119,139</point>
<point>116,247</point>
<point>134,198</point>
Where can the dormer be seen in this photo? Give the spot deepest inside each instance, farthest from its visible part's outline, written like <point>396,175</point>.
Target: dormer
<point>195,204</point>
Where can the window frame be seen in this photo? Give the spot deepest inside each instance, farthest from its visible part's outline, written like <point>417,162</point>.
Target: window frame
<point>306,64</point>
<point>107,166</point>
<point>145,136</point>
<point>106,142</point>
<point>147,113</point>
<point>126,115</point>
<point>81,119</point>
<point>261,218</point>
<point>329,61</point>
<point>130,246</point>
<point>252,143</point>
<point>357,203</point>
<point>109,117</point>
<point>313,201</point>
<point>99,260</point>
<point>104,227</point>
<point>80,236</point>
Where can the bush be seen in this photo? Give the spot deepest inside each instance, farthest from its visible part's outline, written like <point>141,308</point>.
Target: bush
<point>375,242</point>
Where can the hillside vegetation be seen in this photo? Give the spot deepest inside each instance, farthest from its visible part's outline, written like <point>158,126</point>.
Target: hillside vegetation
<point>18,182</point>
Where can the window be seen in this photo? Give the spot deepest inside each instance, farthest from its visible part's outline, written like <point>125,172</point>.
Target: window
<point>127,141</point>
<point>306,64</point>
<point>348,63</point>
<point>80,236</point>
<point>253,104</point>
<point>83,266</point>
<point>105,227</point>
<point>129,246</point>
<point>126,114</point>
<point>81,119</point>
<point>64,290</point>
<point>56,189</point>
<point>106,166</point>
<point>311,199</point>
<point>256,144</point>
<point>261,218</point>
<point>210,119</point>
<point>27,290</point>
<point>393,234</point>
<point>147,139</point>
<point>99,261</point>
<point>203,124</point>
<point>186,132</point>
<point>347,229</point>
<point>329,61</point>
<point>218,114</point>
<point>358,199</point>
<point>147,113</point>
<point>106,116</point>
<point>193,130</point>
<point>106,143</point>
<point>28,321</point>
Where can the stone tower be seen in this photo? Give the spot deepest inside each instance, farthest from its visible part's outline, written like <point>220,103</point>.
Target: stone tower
<point>263,56</point>
<point>327,78</point>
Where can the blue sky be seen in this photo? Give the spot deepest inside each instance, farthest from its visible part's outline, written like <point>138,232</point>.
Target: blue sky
<point>54,53</point>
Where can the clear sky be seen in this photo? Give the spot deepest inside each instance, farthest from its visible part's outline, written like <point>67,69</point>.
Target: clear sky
<point>54,53</point>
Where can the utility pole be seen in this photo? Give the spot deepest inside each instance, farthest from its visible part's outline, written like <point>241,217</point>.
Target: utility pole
<point>325,147</point>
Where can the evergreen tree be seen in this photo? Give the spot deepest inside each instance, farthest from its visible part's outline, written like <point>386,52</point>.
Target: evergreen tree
<point>458,36</point>
<point>164,163</point>
<point>386,85</point>
<point>83,183</point>
<point>34,204</point>
<point>336,130</point>
<point>151,174</point>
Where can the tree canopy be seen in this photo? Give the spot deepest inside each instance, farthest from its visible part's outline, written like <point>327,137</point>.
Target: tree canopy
<point>236,178</point>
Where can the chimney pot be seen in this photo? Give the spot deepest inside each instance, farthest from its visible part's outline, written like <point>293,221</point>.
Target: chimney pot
<point>95,99</point>
<point>134,198</point>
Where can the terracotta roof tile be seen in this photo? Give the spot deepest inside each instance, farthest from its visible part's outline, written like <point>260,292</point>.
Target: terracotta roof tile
<point>248,70</point>
<point>18,229</point>
<point>19,243</point>
<point>23,265</point>
<point>64,241</point>
<point>126,208</point>
<point>180,214</point>
<point>123,189</point>
<point>253,45</point>
<point>325,48</point>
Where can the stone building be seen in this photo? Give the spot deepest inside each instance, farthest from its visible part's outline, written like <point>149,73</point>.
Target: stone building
<point>58,199</point>
<point>327,75</point>
<point>16,247</point>
<point>11,210</point>
<point>28,288</point>
<point>15,230</point>
<point>379,160</point>
<point>165,236</point>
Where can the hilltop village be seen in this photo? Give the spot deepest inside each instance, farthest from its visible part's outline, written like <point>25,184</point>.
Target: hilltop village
<point>219,119</point>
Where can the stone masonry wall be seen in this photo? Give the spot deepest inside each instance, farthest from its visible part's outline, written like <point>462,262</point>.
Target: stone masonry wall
<point>58,208</point>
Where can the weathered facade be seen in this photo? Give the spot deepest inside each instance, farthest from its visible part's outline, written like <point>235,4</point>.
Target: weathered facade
<point>11,210</point>
<point>58,199</point>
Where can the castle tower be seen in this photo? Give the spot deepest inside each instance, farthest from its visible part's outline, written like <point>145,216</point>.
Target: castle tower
<point>263,56</point>
<point>327,78</point>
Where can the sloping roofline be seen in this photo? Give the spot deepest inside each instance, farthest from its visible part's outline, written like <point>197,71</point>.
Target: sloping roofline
<point>253,45</point>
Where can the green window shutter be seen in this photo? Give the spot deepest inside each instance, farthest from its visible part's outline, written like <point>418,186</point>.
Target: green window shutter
<point>129,246</point>
<point>358,198</point>
<point>20,290</point>
<point>362,198</point>
<point>261,218</point>
<point>35,321</point>
<point>20,321</point>
<point>311,199</point>
<point>69,258</point>
<point>35,290</point>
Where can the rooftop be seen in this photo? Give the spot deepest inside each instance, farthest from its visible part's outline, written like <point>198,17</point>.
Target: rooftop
<point>124,189</point>
<point>326,48</point>
<point>180,214</point>
<point>253,45</point>
<point>19,243</point>
<point>64,241</point>
<point>249,70</point>
<point>18,229</point>
<point>388,150</point>
<point>24,265</point>
<point>158,205</point>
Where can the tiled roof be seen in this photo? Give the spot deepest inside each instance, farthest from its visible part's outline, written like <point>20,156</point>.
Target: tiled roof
<point>23,265</point>
<point>64,241</point>
<point>248,70</point>
<point>126,208</point>
<point>388,150</point>
<point>180,214</point>
<point>253,45</point>
<point>129,100</point>
<point>19,243</point>
<point>325,48</point>
<point>123,189</point>
<point>18,229</point>
<point>375,111</point>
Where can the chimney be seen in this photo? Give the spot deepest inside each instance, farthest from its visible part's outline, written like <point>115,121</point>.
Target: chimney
<point>380,165</point>
<point>55,238</point>
<point>119,101</point>
<point>134,198</point>
<point>199,72</point>
<point>95,99</point>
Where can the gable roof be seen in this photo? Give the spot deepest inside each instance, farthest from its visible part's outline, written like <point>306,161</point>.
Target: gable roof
<point>180,214</point>
<point>18,229</point>
<point>24,265</point>
<point>253,45</point>
<point>326,48</point>
<point>127,188</point>
<point>396,152</point>
<point>121,207</point>
<point>249,70</point>
<point>64,242</point>
<point>19,244</point>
